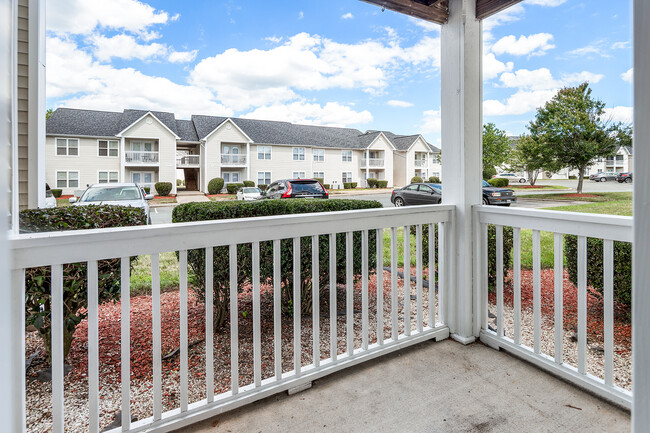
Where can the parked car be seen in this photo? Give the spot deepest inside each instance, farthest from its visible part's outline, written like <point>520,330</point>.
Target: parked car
<point>512,177</point>
<point>498,196</point>
<point>605,176</point>
<point>624,177</point>
<point>118,194</point>
<point>50,200</point>
<point>295,188</point>
<point>416,194</point>
<point>249,193</point>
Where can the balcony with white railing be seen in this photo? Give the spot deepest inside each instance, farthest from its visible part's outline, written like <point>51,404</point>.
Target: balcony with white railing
<point>420,162</point>
<point>233,160</point>
<point>141,157</point>
<point>372,163</point>
<point>188,161</point>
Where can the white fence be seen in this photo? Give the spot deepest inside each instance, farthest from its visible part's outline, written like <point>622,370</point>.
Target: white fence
<point>233,160</point>
<point>404,324</point>
<point>188,160</point>
<point>141,157</point>
<point>608,228</point>
<point>372,162</point>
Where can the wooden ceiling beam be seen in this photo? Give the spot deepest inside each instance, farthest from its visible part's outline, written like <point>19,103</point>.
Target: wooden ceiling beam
<point>486,8</point>
<point>435,11</point>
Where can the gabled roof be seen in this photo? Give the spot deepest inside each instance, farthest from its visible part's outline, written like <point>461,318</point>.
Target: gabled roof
<point>131,117</point>
<point>404,142</point>
<point>70,121</point>
<point>186,130</point>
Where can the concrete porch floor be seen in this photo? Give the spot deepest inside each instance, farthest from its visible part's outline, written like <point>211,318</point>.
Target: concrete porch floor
<point>430,387</point>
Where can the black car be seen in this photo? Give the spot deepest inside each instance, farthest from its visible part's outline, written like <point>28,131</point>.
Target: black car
<point>417,193</point>
<point>624,177</point>
<point>295,188</point>
<point>498,196</point>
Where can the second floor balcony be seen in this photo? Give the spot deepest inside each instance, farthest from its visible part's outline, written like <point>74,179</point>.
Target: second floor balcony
<point>233,160</point>
<point>142,157</point>
<point>188,161</point>
<point>420,162</point>
<point>372,163</point>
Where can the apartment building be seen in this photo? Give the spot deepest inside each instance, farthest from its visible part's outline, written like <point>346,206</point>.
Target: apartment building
<point>85,147</point>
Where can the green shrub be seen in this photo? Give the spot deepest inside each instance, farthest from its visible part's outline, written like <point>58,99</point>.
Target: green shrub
<point>622,266</point>
<point>248,183</point>
<point>326,185</point>
<point>382,183</point>
<point>347,185</point>
<point>353,185</point>
<point>163,188</point>
<point>489,172</point>
<point>262,187</point>
<point>147,189</point>
<point>499,182</point>
<point>215,185</point>
<point>227,210</point>
<point>57,192</point>
<point>372,182</point>
<point>320,179</point>
<point>416,179</point>
<point>234,187</point>
<point>573,177</point>
<point>75,286</point>
<point>434,179</point>
<point>179,182</point>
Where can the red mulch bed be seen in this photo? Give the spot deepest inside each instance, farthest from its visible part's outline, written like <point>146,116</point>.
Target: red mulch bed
<point>156,197</point>
<point>595,315</point>
<point>65,197</point>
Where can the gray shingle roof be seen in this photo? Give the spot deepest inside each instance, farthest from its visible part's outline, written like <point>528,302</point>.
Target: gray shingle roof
<point>100,123</point>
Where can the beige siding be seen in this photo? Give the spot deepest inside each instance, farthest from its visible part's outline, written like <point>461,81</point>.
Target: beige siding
<point>226,133</point>
<point>23,89</point>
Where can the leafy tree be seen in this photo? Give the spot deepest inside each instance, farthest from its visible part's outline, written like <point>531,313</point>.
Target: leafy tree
<point>571,125</point>
<point>622,133</point>
<point>532,157</point>
<point>496,147</point>
<point>48,113</point>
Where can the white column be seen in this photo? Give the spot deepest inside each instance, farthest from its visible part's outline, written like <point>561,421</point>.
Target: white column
<point>248,160</point>
<point>461,143</point>
<point>122,160</point>
<point>36,105</point>
<point>641,248</point>
<point>367,165</point>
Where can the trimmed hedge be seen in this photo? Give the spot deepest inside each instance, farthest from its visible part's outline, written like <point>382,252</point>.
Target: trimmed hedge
<point>622,266</point>
<point>326,185</point>
<point>163,188</point>
<point>353,185</point>
<point>147,189</point>
<point>234,187</point>
<point>499,182</point>
<point>57,193</point>
<point>75,286</point>
<point>434,179</point>
<point>382,183</point>
<point>227,210</point>
<point>215,185</point>
<point>416,179</point>
<point>372,182</point>
<point>262,187</point>
<point>347,185</point>
<point>248,183</point>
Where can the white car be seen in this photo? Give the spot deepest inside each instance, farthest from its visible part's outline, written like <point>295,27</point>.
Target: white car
<point>116,194</point>
<point>511,176</point>
<point>249,193</point>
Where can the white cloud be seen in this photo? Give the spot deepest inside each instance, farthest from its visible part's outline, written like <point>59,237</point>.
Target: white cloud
<point>620,45</point>
<point>347,16</point>
<point>308,62</point>
<point>83,16</point>
<point>331,114</point>
<point>521,102</point>
<point>596,49</point>
<point>534,45</point>
<point>426,26</point>
<point>182,56</point>
<point>400,104</point>
<point>628,76</point>
<point>493,67</point>
<point>538,79</point>
<point>274,39</point>
<point>548,3</point>
<point>124,47</point>
<point>509,15</point>
<point>619,114</point>
<point>78,81</point>
<point>581,77</point>
<point>431,122</point>
<point>301,15</point>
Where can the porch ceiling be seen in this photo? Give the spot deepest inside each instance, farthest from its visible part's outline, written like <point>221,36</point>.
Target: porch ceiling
<point>437,11</point>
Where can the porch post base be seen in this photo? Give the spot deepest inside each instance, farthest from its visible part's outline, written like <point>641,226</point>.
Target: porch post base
<point>462,339</point>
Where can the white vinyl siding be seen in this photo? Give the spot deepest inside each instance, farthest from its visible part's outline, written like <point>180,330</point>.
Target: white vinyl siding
<point>108,148</point>
<point>319,155</point>
<point>67,179</point>
<point>67,147</point>
<point>107,177</point>
<point>299,175</point>
<point>263,178</point>
<point>346,156</point>
<point>263,152</point>
<point>347,177</point>
<point>298,153</point>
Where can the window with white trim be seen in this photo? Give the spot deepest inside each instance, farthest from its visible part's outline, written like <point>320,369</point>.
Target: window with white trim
<point>67,147</point>
<point>299,175</point>
<point>319,155</point>
<point>347,177</point>
<point>263,152</point>
<point>142,177</point>
<point>108,148</point>
<point>298,153</point>
<point>230,176</point>
<point>67,179</point>
<point>107,177</point>
<point>319,175</point>
<point>346,155</point>
<point>263,178</point>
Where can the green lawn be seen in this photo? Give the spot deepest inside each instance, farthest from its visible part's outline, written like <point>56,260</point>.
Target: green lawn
<point>589,197</point>
<point>141,273</point>
<point>615,207</point>
<point>400,247</point>
<point>541,187</point>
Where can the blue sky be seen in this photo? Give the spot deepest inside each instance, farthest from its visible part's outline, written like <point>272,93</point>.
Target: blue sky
<point>340,62</point>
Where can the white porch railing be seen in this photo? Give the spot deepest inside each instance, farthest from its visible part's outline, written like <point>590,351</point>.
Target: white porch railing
<point>141,157</point>
<point>608,228</point>
<point>372,163</point>
<point>402,324</point>
<point>420,162</point>
<point>233,160</point>
<point>188,161</point>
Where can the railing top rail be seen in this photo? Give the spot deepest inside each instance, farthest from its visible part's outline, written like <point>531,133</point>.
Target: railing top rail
<point>142,151</point>
<point>43,249</point>
<point>614,227</point>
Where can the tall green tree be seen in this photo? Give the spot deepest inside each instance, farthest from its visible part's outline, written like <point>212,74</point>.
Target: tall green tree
<point>532,157</point>
<point>496,148</point>
<point>572,126</point>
